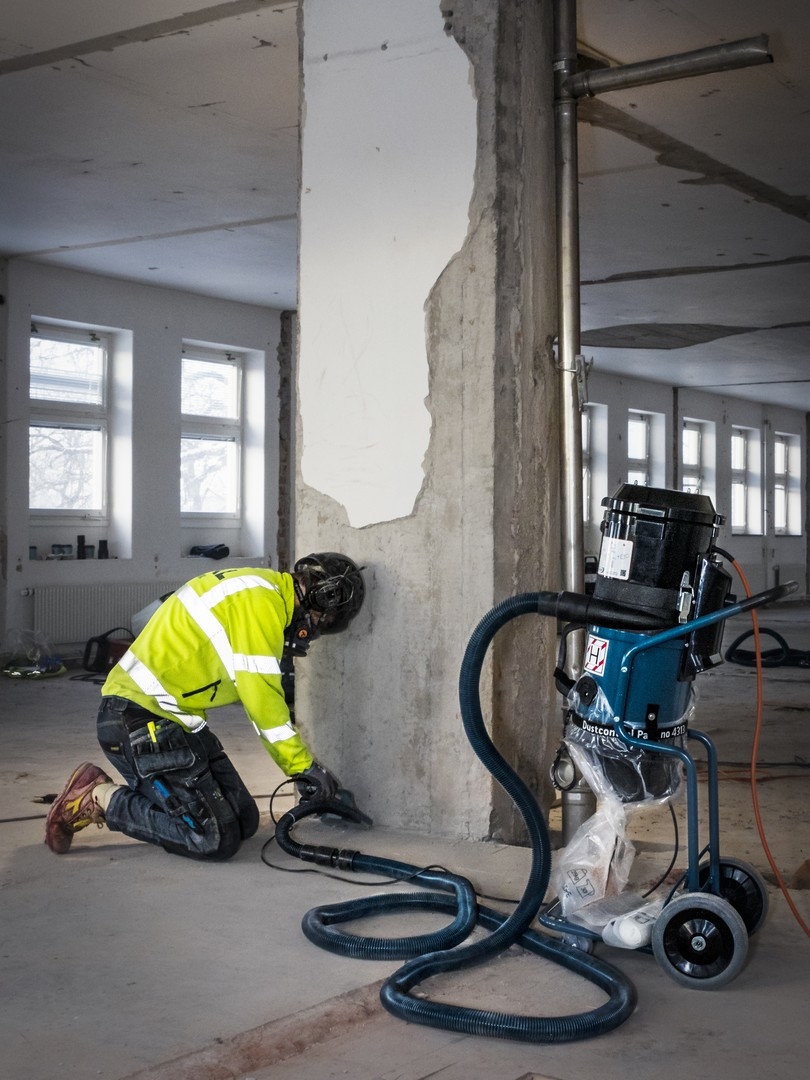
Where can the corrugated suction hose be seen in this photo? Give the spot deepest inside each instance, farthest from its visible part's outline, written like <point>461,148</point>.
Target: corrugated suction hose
<point>436,953</point>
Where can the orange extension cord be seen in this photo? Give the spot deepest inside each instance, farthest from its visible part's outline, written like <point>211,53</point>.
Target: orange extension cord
<point>754,757</point>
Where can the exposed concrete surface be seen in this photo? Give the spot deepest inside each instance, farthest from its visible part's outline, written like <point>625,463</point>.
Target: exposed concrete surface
<point>126,36</point>
<point>678,155</point>
<point>120,961</point>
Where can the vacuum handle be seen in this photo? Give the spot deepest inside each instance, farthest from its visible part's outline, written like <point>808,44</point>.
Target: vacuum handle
<point>766,597</point>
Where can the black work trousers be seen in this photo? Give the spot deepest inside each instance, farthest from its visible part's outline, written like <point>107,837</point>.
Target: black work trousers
<point>182,792</point>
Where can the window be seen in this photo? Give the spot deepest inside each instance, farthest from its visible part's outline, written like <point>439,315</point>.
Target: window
<point>786,483</point>
<point>594,460</point>
<point>692,457</point>
<point>739,478</point>
<point>638,449</point>
<point>587,477</point>
<point>211,441</point>
<point>698,453</point>
<point>746,492</point>
<point>68,422</point>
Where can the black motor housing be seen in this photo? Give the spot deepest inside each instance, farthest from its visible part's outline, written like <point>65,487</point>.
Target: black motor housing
<point>651,537</point>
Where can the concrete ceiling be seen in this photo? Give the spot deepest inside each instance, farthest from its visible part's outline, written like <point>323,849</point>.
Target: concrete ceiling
<point>155,141</point>
<point>695,215</point>
<point>158,142</point>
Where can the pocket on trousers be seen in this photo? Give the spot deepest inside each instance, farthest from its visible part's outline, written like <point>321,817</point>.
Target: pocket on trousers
<point>160,747</point>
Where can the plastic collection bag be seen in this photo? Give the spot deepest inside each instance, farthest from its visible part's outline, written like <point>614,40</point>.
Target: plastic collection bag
<point>591,872</point>
<point>613,769</point>
<point>596,862</point>
<point>29,655</point>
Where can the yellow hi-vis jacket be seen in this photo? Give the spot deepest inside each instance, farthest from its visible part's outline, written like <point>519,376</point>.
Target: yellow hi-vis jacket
<point>216,641</point>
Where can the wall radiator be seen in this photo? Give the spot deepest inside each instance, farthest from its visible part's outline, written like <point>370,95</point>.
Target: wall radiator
<point>70,614</point>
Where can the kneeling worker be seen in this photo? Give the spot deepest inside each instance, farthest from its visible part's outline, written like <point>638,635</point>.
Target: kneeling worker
<point>219,639</point>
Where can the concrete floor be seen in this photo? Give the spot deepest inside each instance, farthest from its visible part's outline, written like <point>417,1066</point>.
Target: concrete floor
<point>122,962</point>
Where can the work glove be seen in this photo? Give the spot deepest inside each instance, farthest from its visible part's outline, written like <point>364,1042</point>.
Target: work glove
<point>316,784</point>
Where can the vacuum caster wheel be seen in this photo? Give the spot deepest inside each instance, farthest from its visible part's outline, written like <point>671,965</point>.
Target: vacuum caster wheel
<point>700,941</point>
<point>744,889</point>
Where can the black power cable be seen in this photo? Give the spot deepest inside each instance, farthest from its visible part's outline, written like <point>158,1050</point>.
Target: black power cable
<point>781,656</point>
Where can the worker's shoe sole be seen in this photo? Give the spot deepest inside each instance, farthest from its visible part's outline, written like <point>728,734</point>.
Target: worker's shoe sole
<point>75,808</point>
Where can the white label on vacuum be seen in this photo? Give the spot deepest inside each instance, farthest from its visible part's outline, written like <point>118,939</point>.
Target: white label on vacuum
<point>596,655</point>
<point>615,558</point>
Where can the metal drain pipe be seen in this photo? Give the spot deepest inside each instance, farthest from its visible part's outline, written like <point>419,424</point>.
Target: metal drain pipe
<point>569,85</point>
<point>578,802</point>
<point>568,356</point>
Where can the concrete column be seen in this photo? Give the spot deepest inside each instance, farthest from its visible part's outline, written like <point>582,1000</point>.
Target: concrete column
<point>427,440</point>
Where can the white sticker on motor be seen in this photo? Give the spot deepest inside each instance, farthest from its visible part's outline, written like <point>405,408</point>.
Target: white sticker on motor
<point>596,655</point>
<point>615,557</point>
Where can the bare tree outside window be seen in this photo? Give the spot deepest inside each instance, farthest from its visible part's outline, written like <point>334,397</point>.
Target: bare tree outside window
<point>211,438</point>
<point>64,468</point>
<point>207,471</point>
<point>68,424</point>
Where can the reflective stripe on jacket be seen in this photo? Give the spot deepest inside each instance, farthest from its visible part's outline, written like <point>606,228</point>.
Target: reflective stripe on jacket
<point>216,641</point>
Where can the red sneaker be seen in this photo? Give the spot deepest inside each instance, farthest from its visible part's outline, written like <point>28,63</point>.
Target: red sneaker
<point>75,808</point>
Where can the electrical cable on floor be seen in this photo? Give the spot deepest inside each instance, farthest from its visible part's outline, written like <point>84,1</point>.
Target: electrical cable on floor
<point>742,775</point>
<point>316,869</point>
<point>797,763</point>
<point>755,753</point>
<point>378,882</point>
<point>673,860</point>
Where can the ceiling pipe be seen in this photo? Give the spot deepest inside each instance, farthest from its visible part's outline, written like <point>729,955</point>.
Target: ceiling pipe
<point>735,54</point>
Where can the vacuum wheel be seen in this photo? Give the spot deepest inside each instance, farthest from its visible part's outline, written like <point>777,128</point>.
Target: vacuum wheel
<point>744,889</point>
<point>700,941</point>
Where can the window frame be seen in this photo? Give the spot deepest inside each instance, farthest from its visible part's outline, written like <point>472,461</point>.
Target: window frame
<point>586,431</point>
<point>693,469</point>
<point>746,475</point>
<point>72,415</point>
<point>194,426</point>
<point>594,433</point>
<point>788,480</point>
<point>642,465</point>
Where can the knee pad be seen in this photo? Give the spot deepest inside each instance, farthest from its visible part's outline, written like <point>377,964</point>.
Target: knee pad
<point>214,841</point>
<point>221,834</point>
<point>247,814</point>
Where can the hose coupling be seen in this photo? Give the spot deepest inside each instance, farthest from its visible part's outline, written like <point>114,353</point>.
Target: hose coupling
<point>327,856</point>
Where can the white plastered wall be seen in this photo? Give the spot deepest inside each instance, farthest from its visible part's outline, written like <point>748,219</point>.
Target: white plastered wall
<point>149,541</point>
<point>389,148</point>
